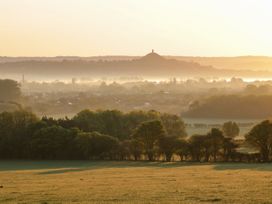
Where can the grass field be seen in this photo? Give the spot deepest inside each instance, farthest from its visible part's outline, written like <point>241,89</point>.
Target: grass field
<point>134,182</point>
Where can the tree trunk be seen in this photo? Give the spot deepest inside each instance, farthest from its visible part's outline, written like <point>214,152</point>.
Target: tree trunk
<point>168,157</point>
<point>207,156</point>
<point>265,156</point>
<point>181,157</point>
<point>214,157</point>
<point>150,156</point>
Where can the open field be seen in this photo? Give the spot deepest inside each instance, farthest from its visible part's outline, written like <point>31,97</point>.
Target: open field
<point>134,182</point>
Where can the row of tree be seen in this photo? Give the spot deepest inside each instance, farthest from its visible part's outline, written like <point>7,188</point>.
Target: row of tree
<point>113,135</point>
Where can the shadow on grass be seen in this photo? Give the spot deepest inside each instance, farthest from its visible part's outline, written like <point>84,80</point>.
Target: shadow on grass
<point>58,167</point>
<point>243,166</point>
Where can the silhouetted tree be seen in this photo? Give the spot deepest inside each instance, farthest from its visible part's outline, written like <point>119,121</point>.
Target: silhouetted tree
<point>182,149</point>
<point>207,148</point>
<point>108,122</point>
<point>10,90</point>
<point>196,147</point>
<point>124,150</point>
<point>134,118</point>
<point>112,123</point>
<point>49,121</point>
<point>230,129</point>
<point>260,136</point>
<point>14,132</point>
<point>136,148</point>
<point>95,145</point>
<point>149,134</point>
<point>54,142</point>
<point>216,139</point>
<point>167,146</point>
<point>229,148</point>
<point>173,124</point>
<point>87,121</point>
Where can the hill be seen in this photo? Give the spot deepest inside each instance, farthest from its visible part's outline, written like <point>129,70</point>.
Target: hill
<point>151,66</point>
<point>232,106</point>
<point>256,63</point>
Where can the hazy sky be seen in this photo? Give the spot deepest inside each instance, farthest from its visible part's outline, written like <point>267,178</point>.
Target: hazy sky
<point>134,27</point>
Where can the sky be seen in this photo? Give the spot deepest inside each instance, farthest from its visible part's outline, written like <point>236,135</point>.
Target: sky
<point>134,27</point>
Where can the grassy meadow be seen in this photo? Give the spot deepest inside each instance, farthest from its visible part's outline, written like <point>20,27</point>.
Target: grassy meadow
<point>134,182</point>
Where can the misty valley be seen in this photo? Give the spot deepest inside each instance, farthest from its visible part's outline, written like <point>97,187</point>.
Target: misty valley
<point>65,87</point>
<point>125,101</point>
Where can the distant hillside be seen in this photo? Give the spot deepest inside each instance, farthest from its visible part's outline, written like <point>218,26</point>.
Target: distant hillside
<point>232,106</point>
<point>150,66</point>
<point>237,63</point>
<point>256,63</point>
<point>67,58</point>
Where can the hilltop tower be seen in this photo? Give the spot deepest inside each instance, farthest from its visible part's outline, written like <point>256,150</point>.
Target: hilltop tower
<point>153,57</point>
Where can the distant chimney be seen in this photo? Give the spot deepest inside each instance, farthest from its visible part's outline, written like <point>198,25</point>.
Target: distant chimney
<point>152,50</point>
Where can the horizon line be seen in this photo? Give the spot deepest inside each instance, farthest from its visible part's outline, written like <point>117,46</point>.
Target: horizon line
<point>123,55</point>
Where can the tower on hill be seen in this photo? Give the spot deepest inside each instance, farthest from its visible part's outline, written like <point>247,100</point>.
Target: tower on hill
<point>152,56</point>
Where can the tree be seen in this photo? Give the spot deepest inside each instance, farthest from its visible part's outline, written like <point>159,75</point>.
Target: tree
<point>6,136</point>
<point>207,147</point>
<point>174,129</point>
<point>135,148</point>
<point>112,123</point>
<point>196,147</point>
<point>10,90</point>
<point>260,136</point>
<point>124,150</point>
<point>167,146</point>
<point>216,138</point>
<point>173,124</point>
<point>95,145</point>
<point>230,129</point>
<point>134,118</point>
<point>66,123</point>
<point>108,122</point>
<point>54,142</point>
<point>182,149</point>
<point>14,133</point>
<point>87,121</point>
<point>229,148</point>
<point>149,134</point>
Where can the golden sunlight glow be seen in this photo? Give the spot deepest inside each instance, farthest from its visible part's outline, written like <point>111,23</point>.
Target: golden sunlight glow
<point>129,27</point>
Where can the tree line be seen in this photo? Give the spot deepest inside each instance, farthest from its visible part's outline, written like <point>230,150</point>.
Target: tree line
<point>114,135</point>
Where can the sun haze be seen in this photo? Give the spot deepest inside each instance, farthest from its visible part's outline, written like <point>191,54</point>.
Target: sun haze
<point>129,27</point>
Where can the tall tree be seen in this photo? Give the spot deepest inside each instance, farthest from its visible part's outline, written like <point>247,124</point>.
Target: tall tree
<point>175,130</point>
<point>10,90</point>
<point>14,132</point>
<point>229,148</point>
<point>149,134</point>
<point>216,139</point>
<point>260,136</point>
<point>95,145</point>
<point>182,149</point>
<point>174,125</point>
<point>168,146</point>
<point>135,148</point>
<point>196,146</point>
<point>87,121</point>
<point>53,142</point>
<point>230,129</point>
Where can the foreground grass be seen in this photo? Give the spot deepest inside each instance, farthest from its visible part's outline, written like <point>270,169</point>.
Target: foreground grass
<point>133,182</point>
